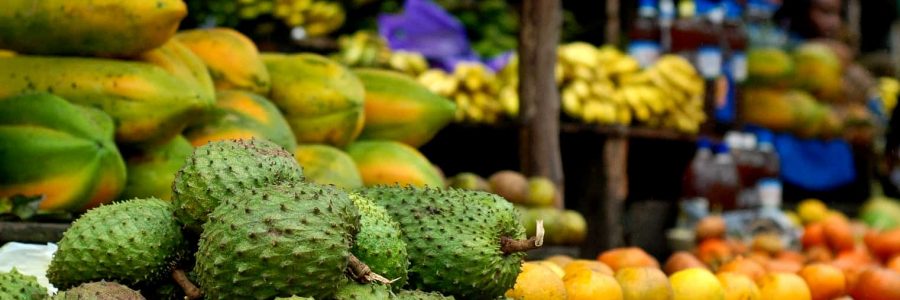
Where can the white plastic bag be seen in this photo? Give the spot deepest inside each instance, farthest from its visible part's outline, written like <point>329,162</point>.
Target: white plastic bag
<point>29,259</point>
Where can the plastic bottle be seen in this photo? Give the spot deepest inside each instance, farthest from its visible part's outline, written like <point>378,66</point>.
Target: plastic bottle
<point>735,67</point>
<point>761,31</point>
<point>666,21</point>
<point>695,182</point>
<point>644,44</point>
<point>724,189</point>
<point>769,186</point>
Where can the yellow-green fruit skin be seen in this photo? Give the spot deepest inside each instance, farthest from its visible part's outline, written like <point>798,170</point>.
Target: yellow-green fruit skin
<point>324,164</point>
<point>232,58</point>
<point>61,151</point>
<point>401,109</point>
<point>109,28</point>
<point>152,171</point>
<point>321,99</point>
<point>390,162</point>
<point>147,104</point>
<point>243,115</point>
<point>178,60</point>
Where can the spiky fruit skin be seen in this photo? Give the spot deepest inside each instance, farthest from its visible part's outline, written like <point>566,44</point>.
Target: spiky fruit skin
<point>102,290</point>
<point>293,298</point>
<point>379,243</point>
<point>420,295</point>
<point>18,286</point>
<point>356,291</point>
<point>453,239</point>
<point>131,242</point>
<point>220,170</point>
<point>277,241</point>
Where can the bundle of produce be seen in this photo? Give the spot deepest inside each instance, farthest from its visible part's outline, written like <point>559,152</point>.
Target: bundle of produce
<point>368,50</point>
<point>316,18</point>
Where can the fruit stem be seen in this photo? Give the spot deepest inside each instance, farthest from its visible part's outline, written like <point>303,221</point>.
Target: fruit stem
<point>191,291</point>
<point>361,272</point>
<point>509,246</point>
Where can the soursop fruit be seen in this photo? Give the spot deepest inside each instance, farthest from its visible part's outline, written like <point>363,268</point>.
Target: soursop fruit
<point>358,291</point>
<point>277,241</point>
<point>378,243</point>
<point>420,295</point>
<point>132,242</point>
<point>220,170</point>
<point>293,298</point>
<point>102,290</point>
<point>15,285</point>
<point>453,239</point>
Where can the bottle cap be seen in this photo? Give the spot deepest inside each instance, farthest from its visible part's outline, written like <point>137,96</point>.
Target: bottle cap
<point>721,148</point>
<point>704,143</point>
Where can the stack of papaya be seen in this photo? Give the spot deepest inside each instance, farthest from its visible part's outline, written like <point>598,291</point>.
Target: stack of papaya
<point>97,106</point>
<point>802,92</point>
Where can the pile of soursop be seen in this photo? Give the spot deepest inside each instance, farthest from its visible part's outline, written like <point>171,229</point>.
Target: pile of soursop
<point>244,224</point>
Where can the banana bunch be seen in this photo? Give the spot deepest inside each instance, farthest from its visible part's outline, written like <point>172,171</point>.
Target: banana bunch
<point>888,90</point>
<point>367,49</point>
<point>683,90</point>
<point>474,88</point>
<point>316,17</point>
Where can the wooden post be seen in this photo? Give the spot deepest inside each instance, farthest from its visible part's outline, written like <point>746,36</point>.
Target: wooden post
<point>615,173</point>
<point>539,99</point>
<point>613,22</point>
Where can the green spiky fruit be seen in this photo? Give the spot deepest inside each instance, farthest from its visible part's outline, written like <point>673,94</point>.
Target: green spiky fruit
<point>102,290</point>
<point>293,298</point>
<point>220,170</point>
<point>379,243</point>
<point>131,242</point>
<point>357,291</point>
<point>277,241</point>
<point>15,285</point>
<point>453,239</point>
<point>420,295</point>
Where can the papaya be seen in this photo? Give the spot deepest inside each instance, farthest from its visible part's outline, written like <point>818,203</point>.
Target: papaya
<point>58,150</point>
<point>769,67</point>
<point>324,164</point>
<point>399,108</point>
<point>818,71</point>
<point>243,115</point>
<point>321,99</point>
<point>389,162</point>
<point>231,57</point>
<point>151,171</point>
<point>179,61</point>
<point>108,28</point>
<point>767,107</point>
<point>148,104</point>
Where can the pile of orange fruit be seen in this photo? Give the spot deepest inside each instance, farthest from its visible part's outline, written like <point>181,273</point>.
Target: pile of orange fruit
<point>839,259</point>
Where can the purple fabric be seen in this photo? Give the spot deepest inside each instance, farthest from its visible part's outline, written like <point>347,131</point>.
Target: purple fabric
<point>427,28</point>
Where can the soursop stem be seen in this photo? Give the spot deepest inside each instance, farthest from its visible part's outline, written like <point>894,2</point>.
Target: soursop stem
<point>191,291</point>
<point>509,246</point>
<point>363,274</point>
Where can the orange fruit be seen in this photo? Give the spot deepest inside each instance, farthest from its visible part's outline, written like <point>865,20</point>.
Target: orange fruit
<point>745,267</point>
<point>783,266</point>
<point>553,267</point>
<point>627,257</point>
<point>696,284</point>
<point>560,260</point>
<point>853,263</point>
<point>711,227</point>
<point>537,282</point>
<point>767,242</point>
<point>813,235</point>
<point>593,265</point>
<point>877,284</point>
<point>714,252</point>
<point>818,253</point>
<point>838,233</point>
<point>886,244</point>
<point>783,286</point>
<point>738,286</point>
<point>644,283</point>
<point>812,210</point>
<point>791,256</point>
<point>894,264</point>
<point>825,281</point>
<point>682,260</point>
<point>588,285</point>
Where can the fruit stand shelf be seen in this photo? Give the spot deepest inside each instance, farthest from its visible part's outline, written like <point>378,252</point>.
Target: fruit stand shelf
<point>626,131</point>
<point>31,232</point>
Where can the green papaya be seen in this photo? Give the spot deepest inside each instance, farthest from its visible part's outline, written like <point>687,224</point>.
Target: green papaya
<point>148,104</point>
<point>152,171</point>
<point>390,162</point>
<point>401,109</point>
<point>243,115</point>
<point>110,28</point>
<point>58,150</point>
<point>321,99</point>
<point>324,164</point>
<point>232,58</point>
<point>769,67</point>
<point>178,60</point>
